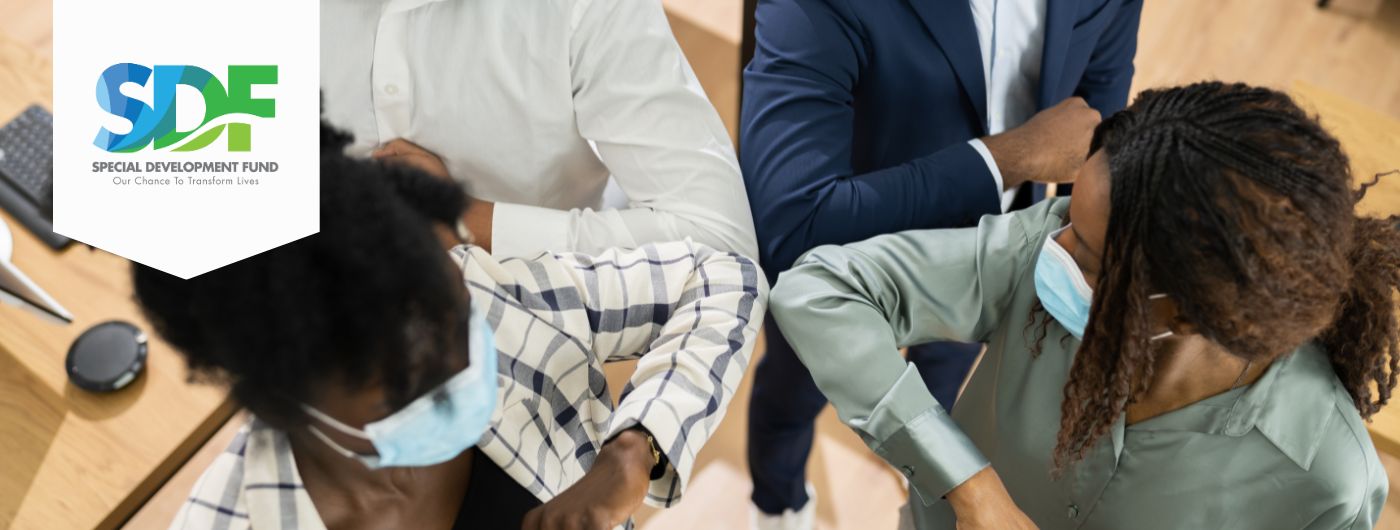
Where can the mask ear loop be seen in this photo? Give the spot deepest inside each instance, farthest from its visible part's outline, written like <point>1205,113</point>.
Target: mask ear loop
<point>337,425</point>
<point>1058,253</point>
<point>1163,334</point>
<point>331,443</point>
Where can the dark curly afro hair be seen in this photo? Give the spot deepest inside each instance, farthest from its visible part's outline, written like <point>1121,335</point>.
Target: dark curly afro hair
<point>370,299</point>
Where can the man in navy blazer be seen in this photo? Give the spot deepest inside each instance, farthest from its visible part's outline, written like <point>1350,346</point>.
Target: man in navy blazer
<point>865,117</point>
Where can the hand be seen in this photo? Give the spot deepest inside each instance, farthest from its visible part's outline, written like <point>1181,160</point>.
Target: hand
<point>607,495</point>
<point>982,502</point>
<point>1049,147</point>
<point>400,151</point>
<point>479,212</point>
<point>478,221</point>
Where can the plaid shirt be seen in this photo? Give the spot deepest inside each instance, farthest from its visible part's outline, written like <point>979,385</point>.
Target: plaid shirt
<point>688,313</point>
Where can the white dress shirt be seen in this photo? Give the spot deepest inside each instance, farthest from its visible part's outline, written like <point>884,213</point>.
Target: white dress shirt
<point>533,105</point>
<point>1011,34</point>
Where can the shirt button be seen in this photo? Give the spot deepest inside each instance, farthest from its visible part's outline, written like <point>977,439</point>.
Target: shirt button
<point>391,89</point>
<point>908,471</point>
<point>1073,511</point>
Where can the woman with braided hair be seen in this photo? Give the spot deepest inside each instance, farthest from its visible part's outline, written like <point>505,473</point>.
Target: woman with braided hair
<point>1192,341</point>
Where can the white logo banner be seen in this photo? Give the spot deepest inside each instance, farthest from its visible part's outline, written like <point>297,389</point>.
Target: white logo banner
<point>186,131</point>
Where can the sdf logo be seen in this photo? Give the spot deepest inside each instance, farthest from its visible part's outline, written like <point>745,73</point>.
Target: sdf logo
<point>156,122</point>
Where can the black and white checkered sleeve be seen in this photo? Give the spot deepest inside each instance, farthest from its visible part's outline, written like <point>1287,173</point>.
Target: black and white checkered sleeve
<point>690,315</point>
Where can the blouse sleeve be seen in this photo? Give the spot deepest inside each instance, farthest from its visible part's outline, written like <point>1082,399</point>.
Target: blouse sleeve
<point>848,309</point>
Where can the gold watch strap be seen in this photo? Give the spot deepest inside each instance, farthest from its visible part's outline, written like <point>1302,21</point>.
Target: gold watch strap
<point>655,451</point>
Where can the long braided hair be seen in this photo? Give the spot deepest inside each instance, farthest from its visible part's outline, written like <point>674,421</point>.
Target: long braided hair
<point>1239,206</point>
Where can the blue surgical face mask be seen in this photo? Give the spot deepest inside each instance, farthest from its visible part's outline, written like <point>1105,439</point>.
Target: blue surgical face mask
<point>437,426</point>
<point>1063,290</point>
<point>1061,286</point>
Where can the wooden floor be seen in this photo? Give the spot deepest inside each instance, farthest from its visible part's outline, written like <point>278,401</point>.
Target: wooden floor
<point>1352,49</point>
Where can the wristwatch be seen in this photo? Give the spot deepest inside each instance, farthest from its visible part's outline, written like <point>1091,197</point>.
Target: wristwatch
<point>658,459</point>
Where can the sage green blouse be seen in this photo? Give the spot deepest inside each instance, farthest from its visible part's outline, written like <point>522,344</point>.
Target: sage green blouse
<point>1288,451</point>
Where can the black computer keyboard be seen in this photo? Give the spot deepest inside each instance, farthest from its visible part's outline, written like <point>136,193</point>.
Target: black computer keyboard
<point>26,172</point>
<point>26,155</point>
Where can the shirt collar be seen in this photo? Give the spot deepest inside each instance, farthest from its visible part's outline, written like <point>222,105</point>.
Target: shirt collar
<point>1290,405</point>
<point>272,487</point>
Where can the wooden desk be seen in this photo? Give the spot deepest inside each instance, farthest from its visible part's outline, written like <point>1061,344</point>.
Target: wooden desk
<point>1372,140</point>
<point>68,458</point>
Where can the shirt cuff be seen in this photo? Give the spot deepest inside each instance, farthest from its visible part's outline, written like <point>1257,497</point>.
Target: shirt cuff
<point>914,434</point>
<point>520,231</point>
<point>1006,195</point>
<point>664,491</point>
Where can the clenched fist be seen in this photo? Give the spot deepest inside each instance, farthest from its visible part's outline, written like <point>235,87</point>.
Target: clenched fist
<point>1049,147</point>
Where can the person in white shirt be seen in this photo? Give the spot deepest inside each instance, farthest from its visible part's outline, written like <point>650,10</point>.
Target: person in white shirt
<point>534,105</point>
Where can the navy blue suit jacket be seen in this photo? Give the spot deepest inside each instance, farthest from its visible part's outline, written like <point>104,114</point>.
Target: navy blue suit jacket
<point>856,113</point>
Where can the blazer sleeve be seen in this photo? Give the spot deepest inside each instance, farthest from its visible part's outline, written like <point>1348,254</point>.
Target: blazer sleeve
<point>796,129</point>
<point>847,310</point>
<point>1109,75</point>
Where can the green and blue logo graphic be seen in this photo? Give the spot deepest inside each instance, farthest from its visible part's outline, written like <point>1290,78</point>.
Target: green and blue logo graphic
<point>155,123</point>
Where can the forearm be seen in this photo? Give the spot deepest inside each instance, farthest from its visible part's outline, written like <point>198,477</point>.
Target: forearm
<point>1002,149</point>
<point>631,452</point>
<point>524,231</point>
<point>846,311</point>
<point>477,219</point>
<point>949,188</point>
<point>839,335</point>
<point>608,494</point>
<point>691,369</point>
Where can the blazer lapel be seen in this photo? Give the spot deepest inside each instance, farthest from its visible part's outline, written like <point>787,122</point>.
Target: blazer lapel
<point>1059,25</point>
<point>950,23</point>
